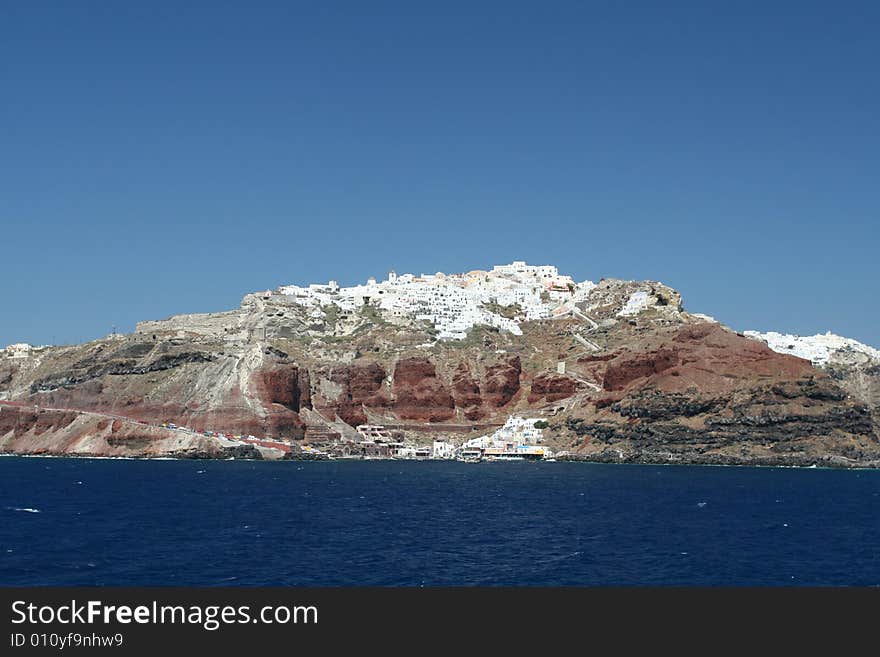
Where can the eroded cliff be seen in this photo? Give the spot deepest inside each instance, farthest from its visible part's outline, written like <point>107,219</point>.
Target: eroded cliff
<point>625,374</point>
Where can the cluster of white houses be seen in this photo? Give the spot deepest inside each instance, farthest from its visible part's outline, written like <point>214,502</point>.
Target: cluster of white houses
<point>519,439</point>
<point>454,303</point>
<point>376,441</point>
<point>21,350</point>
<point>817,348</point>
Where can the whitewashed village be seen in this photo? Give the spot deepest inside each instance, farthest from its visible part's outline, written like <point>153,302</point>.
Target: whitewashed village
<point>519,439</point>
<point>454,303</point>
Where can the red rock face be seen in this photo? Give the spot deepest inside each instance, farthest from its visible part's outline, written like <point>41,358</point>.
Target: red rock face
<point>365,384</point>
<point>25,431</point>
<point>284,390</point>
<point>551,387</point>
<point>704,357</point>
<point>627,368</point>
<point>358,386</point>
<point>280,391</point>
<point>36,427</point>
<point>282,425</point>
<point>703,394</point>
<point>235,414</point>
<point>466,393</point>
<point>286,385</point>
<point>419,394</point>
<point>501,382</point>
<point>16,420</point>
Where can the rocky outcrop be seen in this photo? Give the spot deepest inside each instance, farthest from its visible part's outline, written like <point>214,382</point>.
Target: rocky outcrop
<point>419,394</point>
<point>610,298</point>
<point>550,387</point>
<point>466,393</point>
<point>704,391</point>
<point>286,385</point>
<point>284,390</point>
<point>860,377</point>
<point>501,382</point>
<point>116,367</point>
<point>345,391</point>
<point>28,430</point>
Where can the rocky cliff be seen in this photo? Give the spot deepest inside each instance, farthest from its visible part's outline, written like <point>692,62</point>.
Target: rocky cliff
<point>625,374</point>
<point>700,393</point>
<point>40,431</point>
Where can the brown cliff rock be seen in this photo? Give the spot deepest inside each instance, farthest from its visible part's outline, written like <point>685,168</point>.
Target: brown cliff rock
<point>346,390</point>
<point>286,385</point>
<point>466,393</point>
<point>24,430</point>
<point>419,393</point>
<point>551,387</point>
<point>701,393</point>
<point>501,382</point>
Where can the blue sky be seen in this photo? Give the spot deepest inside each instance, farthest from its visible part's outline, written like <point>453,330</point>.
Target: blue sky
<point>160,158</point>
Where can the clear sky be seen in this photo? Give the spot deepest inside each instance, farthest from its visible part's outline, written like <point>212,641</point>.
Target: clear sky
<point>166,157</point>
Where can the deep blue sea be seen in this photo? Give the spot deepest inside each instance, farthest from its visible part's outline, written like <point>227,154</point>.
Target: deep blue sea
<point>390,523</point>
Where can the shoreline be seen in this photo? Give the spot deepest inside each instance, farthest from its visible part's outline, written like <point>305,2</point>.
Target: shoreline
<point>588,461</point>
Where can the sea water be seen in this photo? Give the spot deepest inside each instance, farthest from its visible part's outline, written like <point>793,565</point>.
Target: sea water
<point>399,523</point>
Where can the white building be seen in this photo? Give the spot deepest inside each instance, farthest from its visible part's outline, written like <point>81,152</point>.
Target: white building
<point>517,431</point>
<point>18,350</point>
<point>636,303</point>
<point>443,449</point>
<point>455,303</point>
<point>816,348</point>
<point>374,433</point>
